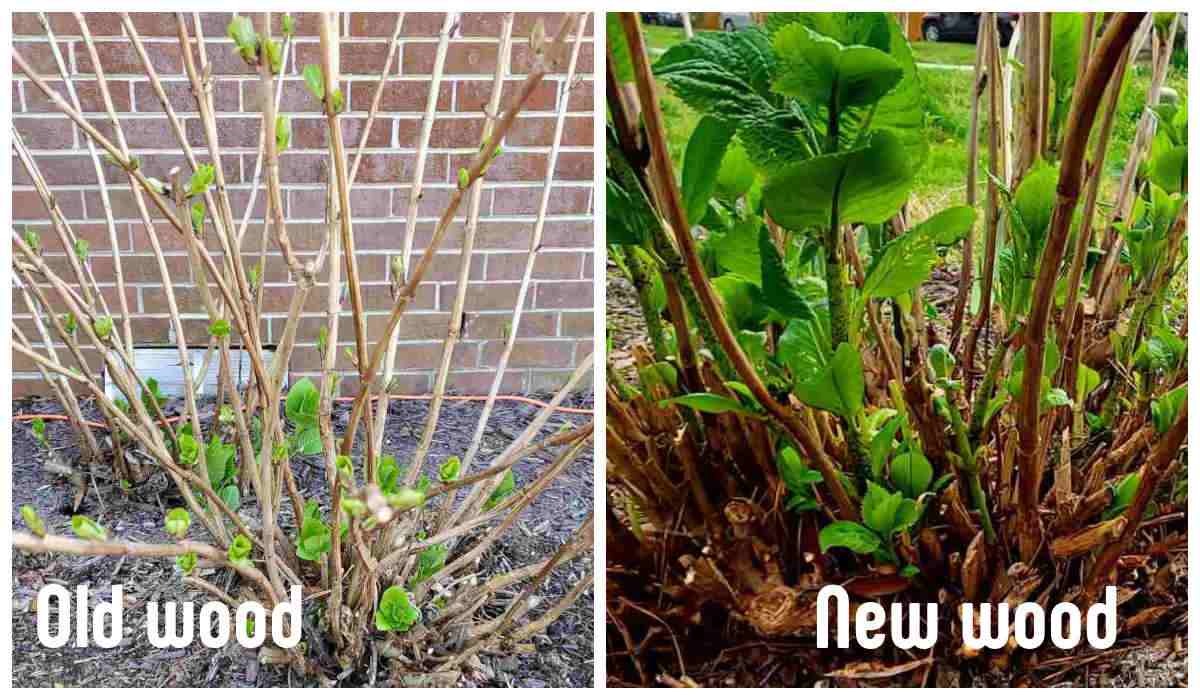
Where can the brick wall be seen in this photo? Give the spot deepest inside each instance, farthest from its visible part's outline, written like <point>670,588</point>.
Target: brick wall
<point>556,329</point>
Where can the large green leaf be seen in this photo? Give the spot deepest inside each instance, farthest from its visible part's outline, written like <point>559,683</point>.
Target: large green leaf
<point>838,387</point>
<point>907,260</point>
<point>869,184</point>
<point>864,28</point>
<point>903,110</point>
<point>949,225</point>
<point>778,291</point>
<point>701,163</point>
<point>1034,202</point>
<point>620,226</point>
<point>742,300</point>
<point>303,403</point>
<point>911,473</point>
<point>708,403</point>
<point>736,175</point>
<point>850,535</point>
<point>1165,409</point>
<point>879,508</point>
<point>1168,169</point>
<point>806,346</point>
<point>822,72</point>
<point>218,458</point>
<point>737,249</point>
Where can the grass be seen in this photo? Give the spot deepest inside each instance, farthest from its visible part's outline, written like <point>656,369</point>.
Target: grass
<point>659,38</point>
<point>944,52</point>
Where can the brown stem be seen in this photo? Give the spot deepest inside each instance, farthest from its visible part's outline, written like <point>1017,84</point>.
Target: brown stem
<point>1082,115</point>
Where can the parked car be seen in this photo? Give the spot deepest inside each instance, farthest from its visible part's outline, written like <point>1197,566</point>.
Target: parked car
<point>963,26</point>
<point>667,19</point>
<point>733,21</point>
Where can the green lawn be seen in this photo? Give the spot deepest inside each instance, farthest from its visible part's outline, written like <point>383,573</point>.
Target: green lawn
<point>947,53</point>
<point>659,38</point>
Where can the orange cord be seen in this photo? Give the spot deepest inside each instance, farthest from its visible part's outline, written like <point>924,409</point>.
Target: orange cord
<point>346,399</point>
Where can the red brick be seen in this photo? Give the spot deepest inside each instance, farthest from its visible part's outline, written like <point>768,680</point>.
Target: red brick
<point>432,202</point>
<point>582,97</point>
<point>223,59</point>
<point>462,58</point>
<point>88,92</point>
<point>480,383</point>
<point>144,269</point>
<point>356,58</point>
<point>563,295</point>
<point>215,24</point>
<point>497,326</point>
<point>526,200</point>
<point>446,133</point>
<point>422,325</point>
<point>493,296</point>
<point>510,166</point>
<point>27,205</point>
<point>364,203</point>
<point>552,381</point>
<point>390,167</point>
<point>294,98</point>
<point>239,199</point>
<point>473,95</point>
<point>119,57</point>
<point>399,95</point>
<point>539,131</point>
<point>168,238</point>
<point>530,353</point>
<point>314,133</point>
<point>45,134</point>
<point>139,133</point>
<point>551,265</point>
<point>39,57</point>
<point>575,166</point>
<point>179,94</point>
<point>577,324</point>
<point>522,59</point>
<point>488,24</point>
<point>382,24</point>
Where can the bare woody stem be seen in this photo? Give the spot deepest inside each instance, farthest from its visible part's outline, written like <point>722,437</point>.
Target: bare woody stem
<point>541,66</point>
<point>1082,115</point>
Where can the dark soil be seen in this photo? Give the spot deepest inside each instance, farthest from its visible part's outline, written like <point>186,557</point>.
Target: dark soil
<point>565,651</point>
